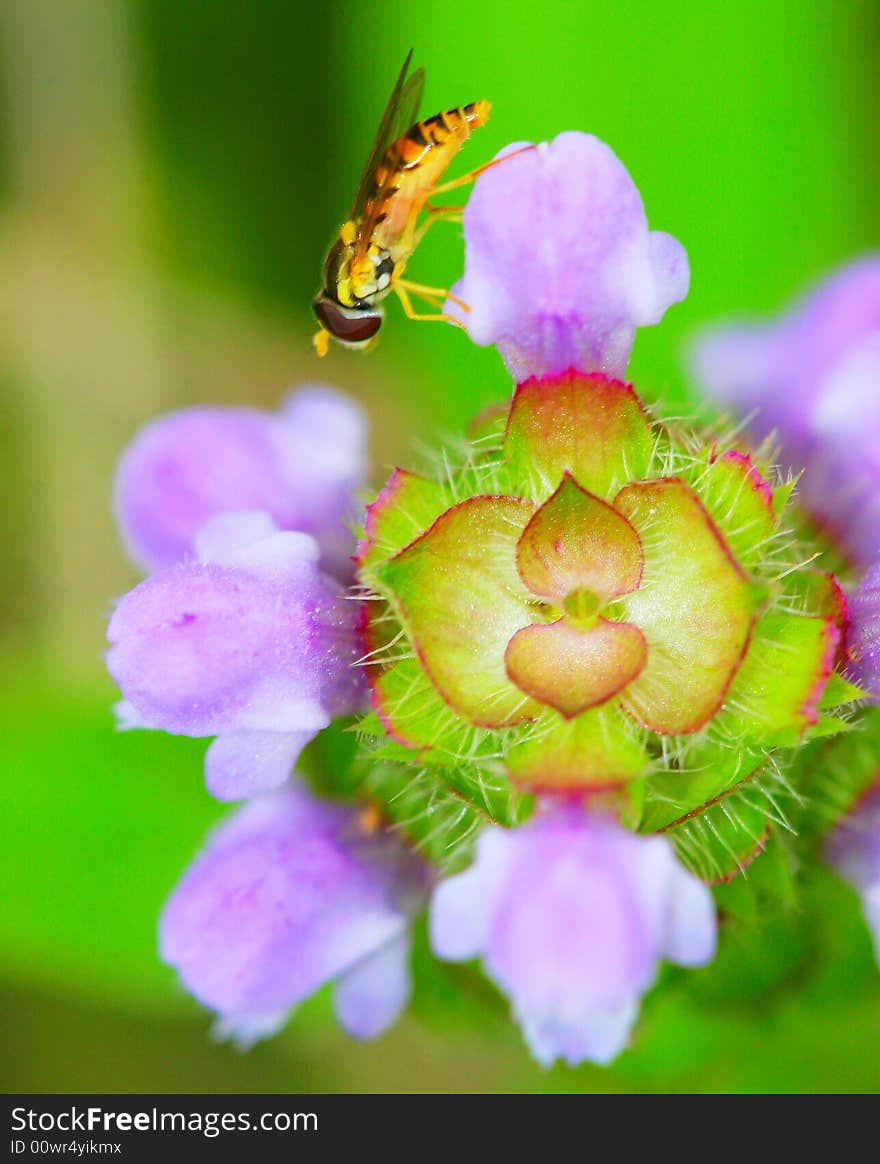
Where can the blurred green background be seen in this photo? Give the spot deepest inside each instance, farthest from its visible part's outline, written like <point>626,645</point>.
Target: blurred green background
<point>171,173</point>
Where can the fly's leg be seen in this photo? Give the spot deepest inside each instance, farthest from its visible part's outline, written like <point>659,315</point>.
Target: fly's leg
<point>411,313</point>
<point>450,213</point>
<point>413,234</point>
<point>402,290</point>
<point>321,341</point>
<point>435,214</point>
<point>432,294</point>
<point>445,187</point>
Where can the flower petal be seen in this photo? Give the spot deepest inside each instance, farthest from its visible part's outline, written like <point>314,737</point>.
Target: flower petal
<point>810,377</point>
<point>695,608</point>
<point>853,848</point>
<point>841,482</point>
<point>573,669</point>
<point>461,600</point>
<point>577,916</point>
<point>462,906</point>
<point>782,367</point>
<point>576,541</point>
<point>245,1030</point>
<point>242,764</point>
<point>560,267</point>
<point>370,996</point>
<point>871,909</point>
<point>596,1034</point>
<point>592,427</point>
<point>230,532</point>
<point>260,642</point>
<point>864,632</point>
<point>302,466</point>
<point>287,895</point>
<point>691,930</point>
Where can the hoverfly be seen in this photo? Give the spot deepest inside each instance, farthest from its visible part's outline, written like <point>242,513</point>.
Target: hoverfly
<point>368,258</point>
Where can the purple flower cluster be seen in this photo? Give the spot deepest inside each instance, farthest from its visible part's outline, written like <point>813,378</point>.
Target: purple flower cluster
<point>246,630</point>
<point>811,380</point>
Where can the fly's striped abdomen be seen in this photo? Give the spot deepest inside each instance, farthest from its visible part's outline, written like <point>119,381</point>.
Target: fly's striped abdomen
<point>437,132</point>
<point>414,163</point>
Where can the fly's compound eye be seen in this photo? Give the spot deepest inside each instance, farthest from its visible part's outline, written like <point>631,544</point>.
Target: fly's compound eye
<point>352,326</point>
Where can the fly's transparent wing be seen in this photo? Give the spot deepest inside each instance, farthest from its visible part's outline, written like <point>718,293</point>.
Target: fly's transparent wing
<point>400,114</point>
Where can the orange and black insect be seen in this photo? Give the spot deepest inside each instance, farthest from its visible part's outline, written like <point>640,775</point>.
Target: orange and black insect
<point>402,173</point>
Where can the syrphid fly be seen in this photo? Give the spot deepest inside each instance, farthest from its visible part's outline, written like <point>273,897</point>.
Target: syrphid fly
<point>402,173</point>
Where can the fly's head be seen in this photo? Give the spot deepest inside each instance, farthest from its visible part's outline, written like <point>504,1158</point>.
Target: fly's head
<point>354,285</point>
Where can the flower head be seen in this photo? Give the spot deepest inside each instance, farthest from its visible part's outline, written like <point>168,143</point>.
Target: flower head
<point>560,265</point>
<point>811,377</point>
<point>571,915</point>
<point>249,642</point>
<point>302,466</point>
<point>289,893</point>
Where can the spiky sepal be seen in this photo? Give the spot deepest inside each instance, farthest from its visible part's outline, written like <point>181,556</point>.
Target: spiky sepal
<point>588,602</point>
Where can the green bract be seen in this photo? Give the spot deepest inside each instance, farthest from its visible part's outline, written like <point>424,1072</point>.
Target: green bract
<point>591,602</point>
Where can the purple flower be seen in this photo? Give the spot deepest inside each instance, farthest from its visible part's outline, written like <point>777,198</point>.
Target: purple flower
<point>301,465</point>
<point>863,637</point>
<point>289,893</point>
<point>250,642</point>
<point>813,376</point>
<point>853,848</point>
<point>560,267</point>
<point>571,915</point>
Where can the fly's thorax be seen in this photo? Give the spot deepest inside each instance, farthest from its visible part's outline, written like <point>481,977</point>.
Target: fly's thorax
<point>354,277</point>
<point>371,274</point>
